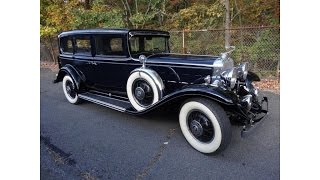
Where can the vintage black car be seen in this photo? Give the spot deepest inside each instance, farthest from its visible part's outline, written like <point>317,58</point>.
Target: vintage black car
<point>133,71</point>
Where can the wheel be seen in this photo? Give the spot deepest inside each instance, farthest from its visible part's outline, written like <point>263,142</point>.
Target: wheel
<point>69,89</point>
<point>142,90</point>
<point>205,125</point>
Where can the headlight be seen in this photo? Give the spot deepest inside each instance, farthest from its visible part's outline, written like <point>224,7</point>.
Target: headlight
<point>231,76</point>
<point>243,70</point>
<point>221,64</point>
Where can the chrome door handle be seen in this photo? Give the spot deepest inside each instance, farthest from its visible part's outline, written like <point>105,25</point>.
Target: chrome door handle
<point>92,63</point>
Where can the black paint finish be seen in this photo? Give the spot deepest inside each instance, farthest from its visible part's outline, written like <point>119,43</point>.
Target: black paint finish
<point>182,74</point>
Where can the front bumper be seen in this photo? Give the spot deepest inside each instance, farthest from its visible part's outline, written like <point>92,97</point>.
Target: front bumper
<point>257,118</point>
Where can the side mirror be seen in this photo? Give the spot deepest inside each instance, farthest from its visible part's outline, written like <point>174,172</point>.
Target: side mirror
<point>143,59</point>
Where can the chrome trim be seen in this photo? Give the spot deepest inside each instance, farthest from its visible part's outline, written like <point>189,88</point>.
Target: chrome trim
<point>218,63</point>
<point>242,70</point>
<point>207,79</point>
<point>248,100</point>
<point>176,63</point>
<point>172,81</point>
<point>216,82</point>
<point>231,76</point>
<point>192,54</point>
<point>112,106</point>
<point>143,60</point>
<point>179,82</point>
<point>110,96</point>
<point>256,92</point>
<point>102,58</point>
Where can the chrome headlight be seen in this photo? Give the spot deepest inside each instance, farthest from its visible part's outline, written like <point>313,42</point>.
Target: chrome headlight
<point>243,70</point>
<point>231,76</point>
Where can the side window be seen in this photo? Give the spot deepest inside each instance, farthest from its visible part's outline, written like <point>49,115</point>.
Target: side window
<point>110,46</point>
<point>66,45</point>
<point>134,43</point>
<point>83,45</point>
<point>116,45</point>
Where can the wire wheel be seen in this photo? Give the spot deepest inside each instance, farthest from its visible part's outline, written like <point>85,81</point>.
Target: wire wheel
<point>70,88</point>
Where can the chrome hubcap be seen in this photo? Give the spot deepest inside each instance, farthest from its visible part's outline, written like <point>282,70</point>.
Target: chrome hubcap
<point>139,93</point>
<point>196,128</point>
<point>142,92</point>
<point>200,126</point>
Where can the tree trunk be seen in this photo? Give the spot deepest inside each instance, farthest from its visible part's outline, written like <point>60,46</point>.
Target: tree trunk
<point>137,12</point>
<point>227,24</point>
<point>128,13</point>
<point>52,51</point>
<point>87,4</point>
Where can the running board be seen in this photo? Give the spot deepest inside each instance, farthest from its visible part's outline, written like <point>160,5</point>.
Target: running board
<point>113,103</point>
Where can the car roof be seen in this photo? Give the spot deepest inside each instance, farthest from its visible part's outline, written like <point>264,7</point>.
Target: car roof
<point>113,31</point>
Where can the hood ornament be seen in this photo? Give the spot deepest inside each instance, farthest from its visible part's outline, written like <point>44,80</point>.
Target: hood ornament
<point>229,50</point>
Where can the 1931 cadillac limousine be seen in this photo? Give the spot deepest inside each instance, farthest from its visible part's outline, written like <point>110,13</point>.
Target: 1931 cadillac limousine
<point>133,71</point>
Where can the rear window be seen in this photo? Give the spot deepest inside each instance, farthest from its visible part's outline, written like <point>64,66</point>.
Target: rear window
<point>110,45</point>
<point>83,45</point>
<point>66,45</point>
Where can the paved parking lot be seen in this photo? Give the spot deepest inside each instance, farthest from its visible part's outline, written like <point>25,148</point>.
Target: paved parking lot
<point>88,141</point>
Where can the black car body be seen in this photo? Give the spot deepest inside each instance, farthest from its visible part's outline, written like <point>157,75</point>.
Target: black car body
<point>133,71</point>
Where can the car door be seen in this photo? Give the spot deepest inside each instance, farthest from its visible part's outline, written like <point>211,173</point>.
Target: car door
<point>66,51</point>
<point>112,59</point>
<point>83,59</point>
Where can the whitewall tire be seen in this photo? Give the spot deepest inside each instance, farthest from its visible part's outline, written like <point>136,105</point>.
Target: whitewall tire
<point>205,125</point>
<point>69,90</point>
<point>142,90</point>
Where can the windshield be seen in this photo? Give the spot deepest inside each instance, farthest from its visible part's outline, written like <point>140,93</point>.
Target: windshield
<point>148,45</point>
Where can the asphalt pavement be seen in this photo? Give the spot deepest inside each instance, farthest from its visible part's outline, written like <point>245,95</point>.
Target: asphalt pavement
<point>88,141</point>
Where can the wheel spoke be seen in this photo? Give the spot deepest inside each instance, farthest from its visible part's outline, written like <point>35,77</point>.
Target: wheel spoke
<point>70,88</point>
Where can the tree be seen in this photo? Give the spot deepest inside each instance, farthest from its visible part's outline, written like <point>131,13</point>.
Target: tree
<point>227,23</point>
<point>62,15</point>
<point>198,16</point>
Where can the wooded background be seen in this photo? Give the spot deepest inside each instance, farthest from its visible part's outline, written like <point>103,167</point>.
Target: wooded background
<point>196,26</point>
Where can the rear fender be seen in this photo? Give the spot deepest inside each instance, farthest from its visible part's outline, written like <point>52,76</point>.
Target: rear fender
<point>70,70</point>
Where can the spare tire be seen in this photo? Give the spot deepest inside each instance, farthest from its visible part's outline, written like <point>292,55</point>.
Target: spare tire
<point>144,88</point>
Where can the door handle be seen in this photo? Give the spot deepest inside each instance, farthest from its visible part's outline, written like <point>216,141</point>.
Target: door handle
<point>92,63</point>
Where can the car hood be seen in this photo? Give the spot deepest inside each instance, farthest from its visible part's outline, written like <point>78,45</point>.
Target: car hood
<point>183,59</point>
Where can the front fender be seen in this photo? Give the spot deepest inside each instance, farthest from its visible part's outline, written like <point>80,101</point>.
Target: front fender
<point>213,93</point>
<point>252,76</point>
<point>70,70</point>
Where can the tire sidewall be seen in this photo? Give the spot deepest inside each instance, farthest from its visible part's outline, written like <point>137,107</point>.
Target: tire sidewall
<point>70,99</point>
<point>213,145</point>
<point>146,77</point>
